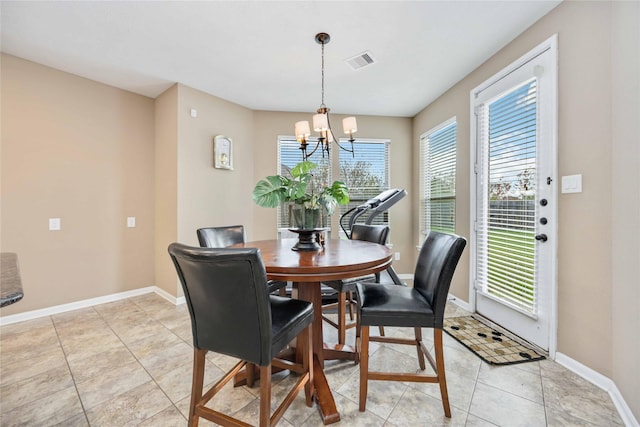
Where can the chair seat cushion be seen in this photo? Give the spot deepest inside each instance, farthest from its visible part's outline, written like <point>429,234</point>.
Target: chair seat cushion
<point>288,318</point>
<point>392,305</point>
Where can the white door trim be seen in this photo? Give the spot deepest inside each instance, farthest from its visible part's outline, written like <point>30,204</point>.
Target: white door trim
<point>549,44</point>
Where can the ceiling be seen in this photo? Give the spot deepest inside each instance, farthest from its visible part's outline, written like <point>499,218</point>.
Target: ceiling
<point>262,54</point>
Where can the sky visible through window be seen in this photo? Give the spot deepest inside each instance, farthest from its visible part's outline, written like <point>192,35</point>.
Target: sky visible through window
<point>512,144</point>
<point>366,174</point>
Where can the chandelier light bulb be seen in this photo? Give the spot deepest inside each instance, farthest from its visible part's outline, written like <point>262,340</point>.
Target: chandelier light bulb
<point>320,122</point>
<point>349,125</point>
<point>302,131</point>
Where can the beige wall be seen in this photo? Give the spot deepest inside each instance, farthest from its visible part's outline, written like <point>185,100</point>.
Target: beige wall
<point>269,125</point>
<point>585,271</point>
<point>625,207</point>
<point>190,192</point>
<point>208,196</point>
<point>80,151</point>
<point>166,187</point>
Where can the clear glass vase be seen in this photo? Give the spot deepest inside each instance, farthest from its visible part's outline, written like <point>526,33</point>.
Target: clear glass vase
<point>306,219</point>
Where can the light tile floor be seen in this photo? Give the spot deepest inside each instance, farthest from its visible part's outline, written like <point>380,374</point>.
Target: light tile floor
<point>129,363</point>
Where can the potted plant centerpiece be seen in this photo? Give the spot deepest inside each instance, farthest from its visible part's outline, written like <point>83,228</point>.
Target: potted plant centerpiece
<point>305,198</point>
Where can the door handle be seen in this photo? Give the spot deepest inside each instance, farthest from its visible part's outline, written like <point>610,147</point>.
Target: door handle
<point>542,237</point>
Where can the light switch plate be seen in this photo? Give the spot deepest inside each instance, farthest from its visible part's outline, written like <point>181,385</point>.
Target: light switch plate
<point>54,224</point>
<point>572,184</point>
<point>131,221</point>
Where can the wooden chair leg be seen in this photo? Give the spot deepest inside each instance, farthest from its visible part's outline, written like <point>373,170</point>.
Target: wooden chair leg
<point>251,374</point>
<point>342,327</point>
<point>442,380</point>
<point>350,302</point>
<point>265,395</point>
<point>418,332</point>
<point>196,384</point>
<point>381,329</point>
<point>307,363</point>
<point>282,292</point>
<point>364,366</point>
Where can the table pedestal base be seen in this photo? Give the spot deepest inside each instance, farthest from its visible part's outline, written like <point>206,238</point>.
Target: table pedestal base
<point>307,239</point>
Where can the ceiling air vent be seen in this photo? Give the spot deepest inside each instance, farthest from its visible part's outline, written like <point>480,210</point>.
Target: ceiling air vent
<point>361,60</point>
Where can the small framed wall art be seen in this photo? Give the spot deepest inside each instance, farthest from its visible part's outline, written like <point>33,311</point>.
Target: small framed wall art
<point>222,152</point>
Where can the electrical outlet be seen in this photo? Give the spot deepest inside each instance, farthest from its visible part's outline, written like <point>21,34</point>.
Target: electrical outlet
<point>131,221</point>
<point>54,224</point>
<point>572,184</point>
<point>397,256</point>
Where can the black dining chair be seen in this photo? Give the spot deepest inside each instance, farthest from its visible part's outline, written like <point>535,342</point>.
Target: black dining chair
<point>420,306</point>
<point>221,237</point>
<point>225,236</point>
<point>344,288</point>
<point>232,314</point>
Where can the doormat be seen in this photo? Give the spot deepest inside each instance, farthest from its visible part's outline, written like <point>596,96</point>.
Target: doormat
<point>489,344</point>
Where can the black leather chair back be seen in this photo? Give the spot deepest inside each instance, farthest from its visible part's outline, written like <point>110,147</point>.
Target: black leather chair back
<point>221,237</point>
<point>226,293</point>
<point>370,233</point>
<point>436,264</point>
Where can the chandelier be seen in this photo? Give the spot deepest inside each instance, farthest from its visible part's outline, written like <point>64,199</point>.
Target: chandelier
<point>321,122</point>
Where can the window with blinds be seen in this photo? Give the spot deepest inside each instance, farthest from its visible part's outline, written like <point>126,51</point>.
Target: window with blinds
<point>438,179</point>
<point>507,129</point>
<point>366,174</point>
<point>289,155</point>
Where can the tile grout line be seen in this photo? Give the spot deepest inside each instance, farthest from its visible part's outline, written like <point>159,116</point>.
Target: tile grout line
<point>544,400</point>
<point>73,378</point>
<point>475,386</point>
<point>138,361</point>
<point>143,367</point>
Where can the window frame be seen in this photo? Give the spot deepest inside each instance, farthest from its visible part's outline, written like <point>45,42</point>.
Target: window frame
<point>424,203</point>
<point>386,184</point>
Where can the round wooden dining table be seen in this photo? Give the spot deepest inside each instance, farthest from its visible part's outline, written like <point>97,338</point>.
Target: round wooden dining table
<point>338,259</point>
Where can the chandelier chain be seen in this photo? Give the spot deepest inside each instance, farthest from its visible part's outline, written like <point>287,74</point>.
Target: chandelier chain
<point>322,105</point>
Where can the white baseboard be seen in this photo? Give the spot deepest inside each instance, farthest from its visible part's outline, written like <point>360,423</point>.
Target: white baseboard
<point>63,308</point>
<point>460,303</point>
<point>627,416</point>
<point>166,295</point>
<point>604,383</point>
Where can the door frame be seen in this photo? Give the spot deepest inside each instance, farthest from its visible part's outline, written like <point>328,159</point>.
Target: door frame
<point>550,44</point>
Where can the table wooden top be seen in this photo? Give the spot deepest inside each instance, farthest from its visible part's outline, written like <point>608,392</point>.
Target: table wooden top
<point>339,259</point>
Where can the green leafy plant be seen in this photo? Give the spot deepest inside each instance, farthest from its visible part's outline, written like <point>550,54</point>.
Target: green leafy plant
<point>277,189</point>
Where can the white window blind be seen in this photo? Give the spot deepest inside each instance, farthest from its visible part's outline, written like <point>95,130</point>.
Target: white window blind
<point>366,173</point>
<point>289,155</point>
<point>506,211</point>
<point>438,179</point>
